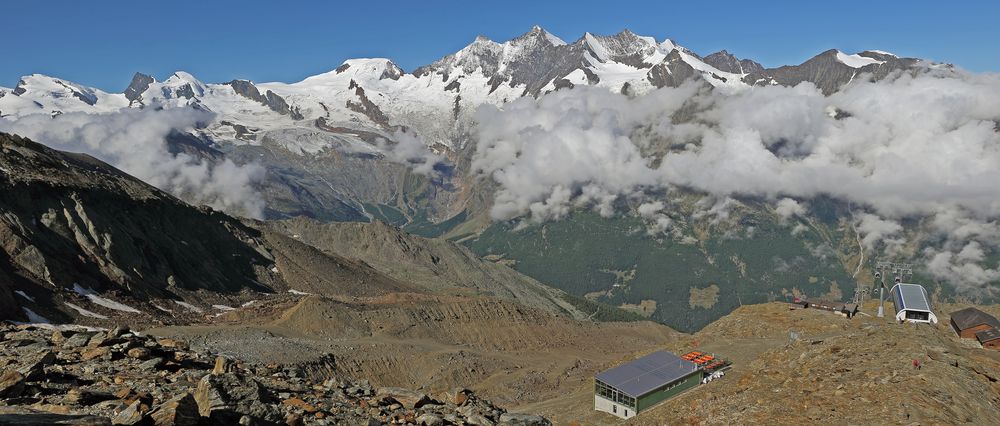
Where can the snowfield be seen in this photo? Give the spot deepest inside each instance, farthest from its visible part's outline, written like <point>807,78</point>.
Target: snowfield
<point>856,61</point>
<point>85,312</point>
<point>189,306</point>
<point>107,303</point>
<point>34,318</point>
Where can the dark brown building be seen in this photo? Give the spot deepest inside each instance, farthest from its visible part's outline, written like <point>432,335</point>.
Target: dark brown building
<point>969,321</point>
<point>990,339</point>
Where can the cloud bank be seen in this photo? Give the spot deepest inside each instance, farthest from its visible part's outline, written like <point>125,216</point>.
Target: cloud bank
<point>135,142</point>
<point>909,146</point>
<point>408,149</point>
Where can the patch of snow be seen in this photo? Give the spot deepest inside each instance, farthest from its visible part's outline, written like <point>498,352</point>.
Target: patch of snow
<point>85,312</point>
<point>34,318</point>
<point>248,303</point>
<point>25,295</point>
<point>882,52</point>
<point>161,308</point>
<point>107,303</point>
<point>224,307</point>
<point>300,293</point>
<point>62,327</point>
<point>274,269</point>
<point>556,41</point>
<point>189,306</point>
<point>732,81</point>
<point>856,61</point>
<point>596,46</point>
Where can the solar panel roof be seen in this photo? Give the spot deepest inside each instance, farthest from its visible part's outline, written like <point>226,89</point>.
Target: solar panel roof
<point>912,296</point>
<point>639,377</point>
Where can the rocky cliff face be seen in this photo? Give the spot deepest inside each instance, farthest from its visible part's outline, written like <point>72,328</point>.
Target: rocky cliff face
<point>69,220</point>
<point>82,240</point>
<point>728,62</point>
<point>276,103</point>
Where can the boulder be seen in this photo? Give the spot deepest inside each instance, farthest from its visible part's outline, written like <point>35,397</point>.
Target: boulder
<point>519,419</point>
<point>429,420</point>
<point>213,401</point>
<point>221,366</point>
<point>173,343</point>
<point>409,399</point>
<point>457,396</point>
<point>94,353</point>
<point>138,353</point>
<point>77,340</point>
<point>151,364</point>
<point>118,331</point>
<point>299,403</point>
<point>78,396</point>
<point>133,415</point>
<point>293,420</point>
<point>478,420</point>
<point>34,366</point>
<point>226,398</point>
<point>11,384</point>
<point>179,411</point>
<point>98,339</point>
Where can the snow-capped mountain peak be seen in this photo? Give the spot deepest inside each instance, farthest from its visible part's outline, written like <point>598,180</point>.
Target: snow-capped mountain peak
<point>377,97</point>
<point>539,32</point>
<point>625,47</point>
<point>42,94</point>
<point>183,84</point>
<point>482,54</point>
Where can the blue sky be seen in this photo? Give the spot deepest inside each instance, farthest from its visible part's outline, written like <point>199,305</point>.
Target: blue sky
<point>102,43</point>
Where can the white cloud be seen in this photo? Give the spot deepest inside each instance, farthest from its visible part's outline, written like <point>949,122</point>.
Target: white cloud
<point>569,147</point>
<point>968,276</point>
<point>410,150</point>
<point>786,208</point>
<point>653,213</point>
<point>649,210</point>
<point>134,141</point>
<point>909,146</point>
<point>875,230</point>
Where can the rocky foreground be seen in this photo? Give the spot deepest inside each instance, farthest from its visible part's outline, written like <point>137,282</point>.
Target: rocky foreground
<point>97,377</point>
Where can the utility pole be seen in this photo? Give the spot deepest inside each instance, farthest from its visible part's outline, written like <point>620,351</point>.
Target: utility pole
<point>899,271</point>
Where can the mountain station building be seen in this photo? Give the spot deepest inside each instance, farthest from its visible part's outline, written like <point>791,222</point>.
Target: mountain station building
<point>637,385</point>
<point>912,303</point>
<point>969,321</point>
<point>990,339</point>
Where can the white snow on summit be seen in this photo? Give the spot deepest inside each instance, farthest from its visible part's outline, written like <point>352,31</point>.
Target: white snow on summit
<point>856,61</point>
<point>882,52</point>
